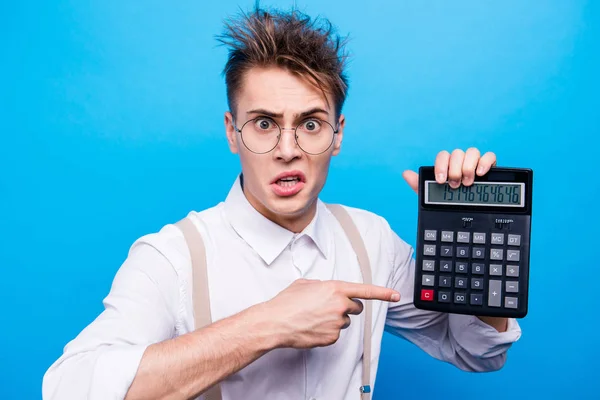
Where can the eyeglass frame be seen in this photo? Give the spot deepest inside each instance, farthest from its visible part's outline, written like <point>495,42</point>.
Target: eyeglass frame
<point>239,130</point>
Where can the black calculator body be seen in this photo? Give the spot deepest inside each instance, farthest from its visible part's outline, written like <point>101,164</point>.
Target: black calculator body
<point>472,254</point>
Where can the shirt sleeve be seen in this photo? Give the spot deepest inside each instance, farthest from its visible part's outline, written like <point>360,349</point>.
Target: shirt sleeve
<point>140,309</point>
<point>462,340</point>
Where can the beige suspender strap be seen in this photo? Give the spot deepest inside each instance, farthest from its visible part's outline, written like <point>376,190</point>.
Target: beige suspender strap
<point>358,245</point>
<point>200,294</point>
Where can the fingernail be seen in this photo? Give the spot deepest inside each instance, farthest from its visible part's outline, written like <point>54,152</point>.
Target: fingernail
<point>480,170</point>
<point>453,183</point>
<point>395,297</point>
<point>441,178</point>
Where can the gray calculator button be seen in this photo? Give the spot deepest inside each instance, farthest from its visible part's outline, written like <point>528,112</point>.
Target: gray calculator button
<point>478,269</point>
<point>460,298</point>
<point>495,254</point>
<point>513,255</point>
<point>463,237</point>
<point>497,238</point>
<point>429,249</point>
<point>445,281</point>
<point>512,270</point>
<point>448,236</point>
<point>445,266</point>
<point>496,269</point>
<point>428,265</point>
<point>428,280</point>
<point>462,252</point>
<point>477,283</point>
<point>514,240</point>
<point>511,302</point>
<point>430,235</point>
<point>495,293</point>
<point>444,297</point>
<point>512,287</point>
<point>460,282</point>
<point>478,252</point>
<point>446,251</point>
<point>479,238</point>
<point>462,267</point>
<point>476,299</point>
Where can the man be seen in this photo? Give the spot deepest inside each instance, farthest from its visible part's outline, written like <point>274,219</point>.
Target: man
<point>284,282</point>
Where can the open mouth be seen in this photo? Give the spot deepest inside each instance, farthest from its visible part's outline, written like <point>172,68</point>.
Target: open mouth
<point>288,183</point>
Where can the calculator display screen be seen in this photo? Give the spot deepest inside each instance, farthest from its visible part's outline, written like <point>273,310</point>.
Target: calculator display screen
<point>500,194</point>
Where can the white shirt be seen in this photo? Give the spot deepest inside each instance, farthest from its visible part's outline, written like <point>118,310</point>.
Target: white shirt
<point>250,260</point>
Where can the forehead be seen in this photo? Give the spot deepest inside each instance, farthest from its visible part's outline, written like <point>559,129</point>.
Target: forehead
<point>280,91</point>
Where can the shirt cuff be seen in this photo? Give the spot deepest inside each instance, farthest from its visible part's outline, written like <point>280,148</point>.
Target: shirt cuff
<point>115,370</point>
<point>480,339</point>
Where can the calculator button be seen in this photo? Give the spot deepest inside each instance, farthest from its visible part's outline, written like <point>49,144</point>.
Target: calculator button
<point>461,267</point>
<point>477,283</point>
<point>429,250</point>
<point>426,294</point>
<point>430,235</point>
<point>495,293</point>
<point>512,287</point>
<point>462,252</point>
<point>460,282</point>
<point>512,270</point>
<point>444,297</point>
<point>514,240</point>
<point>463,237</point>
<point>428,280</point>
<point>478,252</point>
<point>446,251</point>
<point>445,281</point>
<point>479,238</point>
<point>478,269</point>
<point>447,236</point>
<point>496,269</point>
<point>497,238</point>
<point>460,298</point>
<point>513,255</point>
<point>476,299</point>
<point>445,266</point>
<point>428,265</point>
<point>496,254</point>
<point>511,302</point>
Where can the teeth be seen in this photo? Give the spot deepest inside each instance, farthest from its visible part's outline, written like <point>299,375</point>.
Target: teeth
<point>288,182</point>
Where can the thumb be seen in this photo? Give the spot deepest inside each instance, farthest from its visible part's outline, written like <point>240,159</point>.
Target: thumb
<point>412,178</point>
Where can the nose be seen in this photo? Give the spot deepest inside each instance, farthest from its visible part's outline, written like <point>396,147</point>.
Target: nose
<point>287,149</point>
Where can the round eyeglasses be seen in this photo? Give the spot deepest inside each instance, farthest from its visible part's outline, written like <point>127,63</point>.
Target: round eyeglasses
<point>261,135</point>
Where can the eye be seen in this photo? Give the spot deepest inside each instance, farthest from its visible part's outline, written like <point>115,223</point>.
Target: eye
<point>312,125</point>
<point>264,124</point>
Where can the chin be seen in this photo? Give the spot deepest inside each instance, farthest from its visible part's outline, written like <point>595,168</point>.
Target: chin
<point>289,206</point>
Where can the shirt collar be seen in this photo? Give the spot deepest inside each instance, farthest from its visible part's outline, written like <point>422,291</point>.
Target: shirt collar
<point>267,238</point>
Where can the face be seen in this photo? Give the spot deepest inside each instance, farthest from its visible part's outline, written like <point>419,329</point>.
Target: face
<point>282,184</point>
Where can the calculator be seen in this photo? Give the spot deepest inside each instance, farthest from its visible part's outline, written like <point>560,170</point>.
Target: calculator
<point>472,254</point>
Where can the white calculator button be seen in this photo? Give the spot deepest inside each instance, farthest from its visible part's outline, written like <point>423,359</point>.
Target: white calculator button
<point>463,237</point>
<point>448,236</point>
<point>514,240</point>
<point>430,235</point>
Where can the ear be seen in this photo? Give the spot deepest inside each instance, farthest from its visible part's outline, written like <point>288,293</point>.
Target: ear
<point>231,133</point>
<point>337,145</point>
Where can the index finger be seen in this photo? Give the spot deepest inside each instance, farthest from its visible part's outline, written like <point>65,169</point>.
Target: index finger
<point>369,292</point>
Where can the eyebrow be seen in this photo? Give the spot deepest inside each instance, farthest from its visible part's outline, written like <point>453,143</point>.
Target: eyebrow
<point>271,114</point>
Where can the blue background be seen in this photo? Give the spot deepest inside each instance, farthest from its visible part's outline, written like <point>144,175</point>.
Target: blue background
<point>111,127</point>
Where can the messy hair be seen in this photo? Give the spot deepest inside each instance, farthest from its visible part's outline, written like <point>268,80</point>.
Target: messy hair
<point>310,48</point>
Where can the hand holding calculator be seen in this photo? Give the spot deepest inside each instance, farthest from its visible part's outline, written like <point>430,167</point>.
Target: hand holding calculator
<point>473,244</point>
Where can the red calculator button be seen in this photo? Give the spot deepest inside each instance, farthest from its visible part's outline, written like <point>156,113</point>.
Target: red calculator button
<point>426,294</point>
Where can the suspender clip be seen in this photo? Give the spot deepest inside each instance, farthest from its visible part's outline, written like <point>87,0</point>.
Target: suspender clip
<point>365,389</point>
